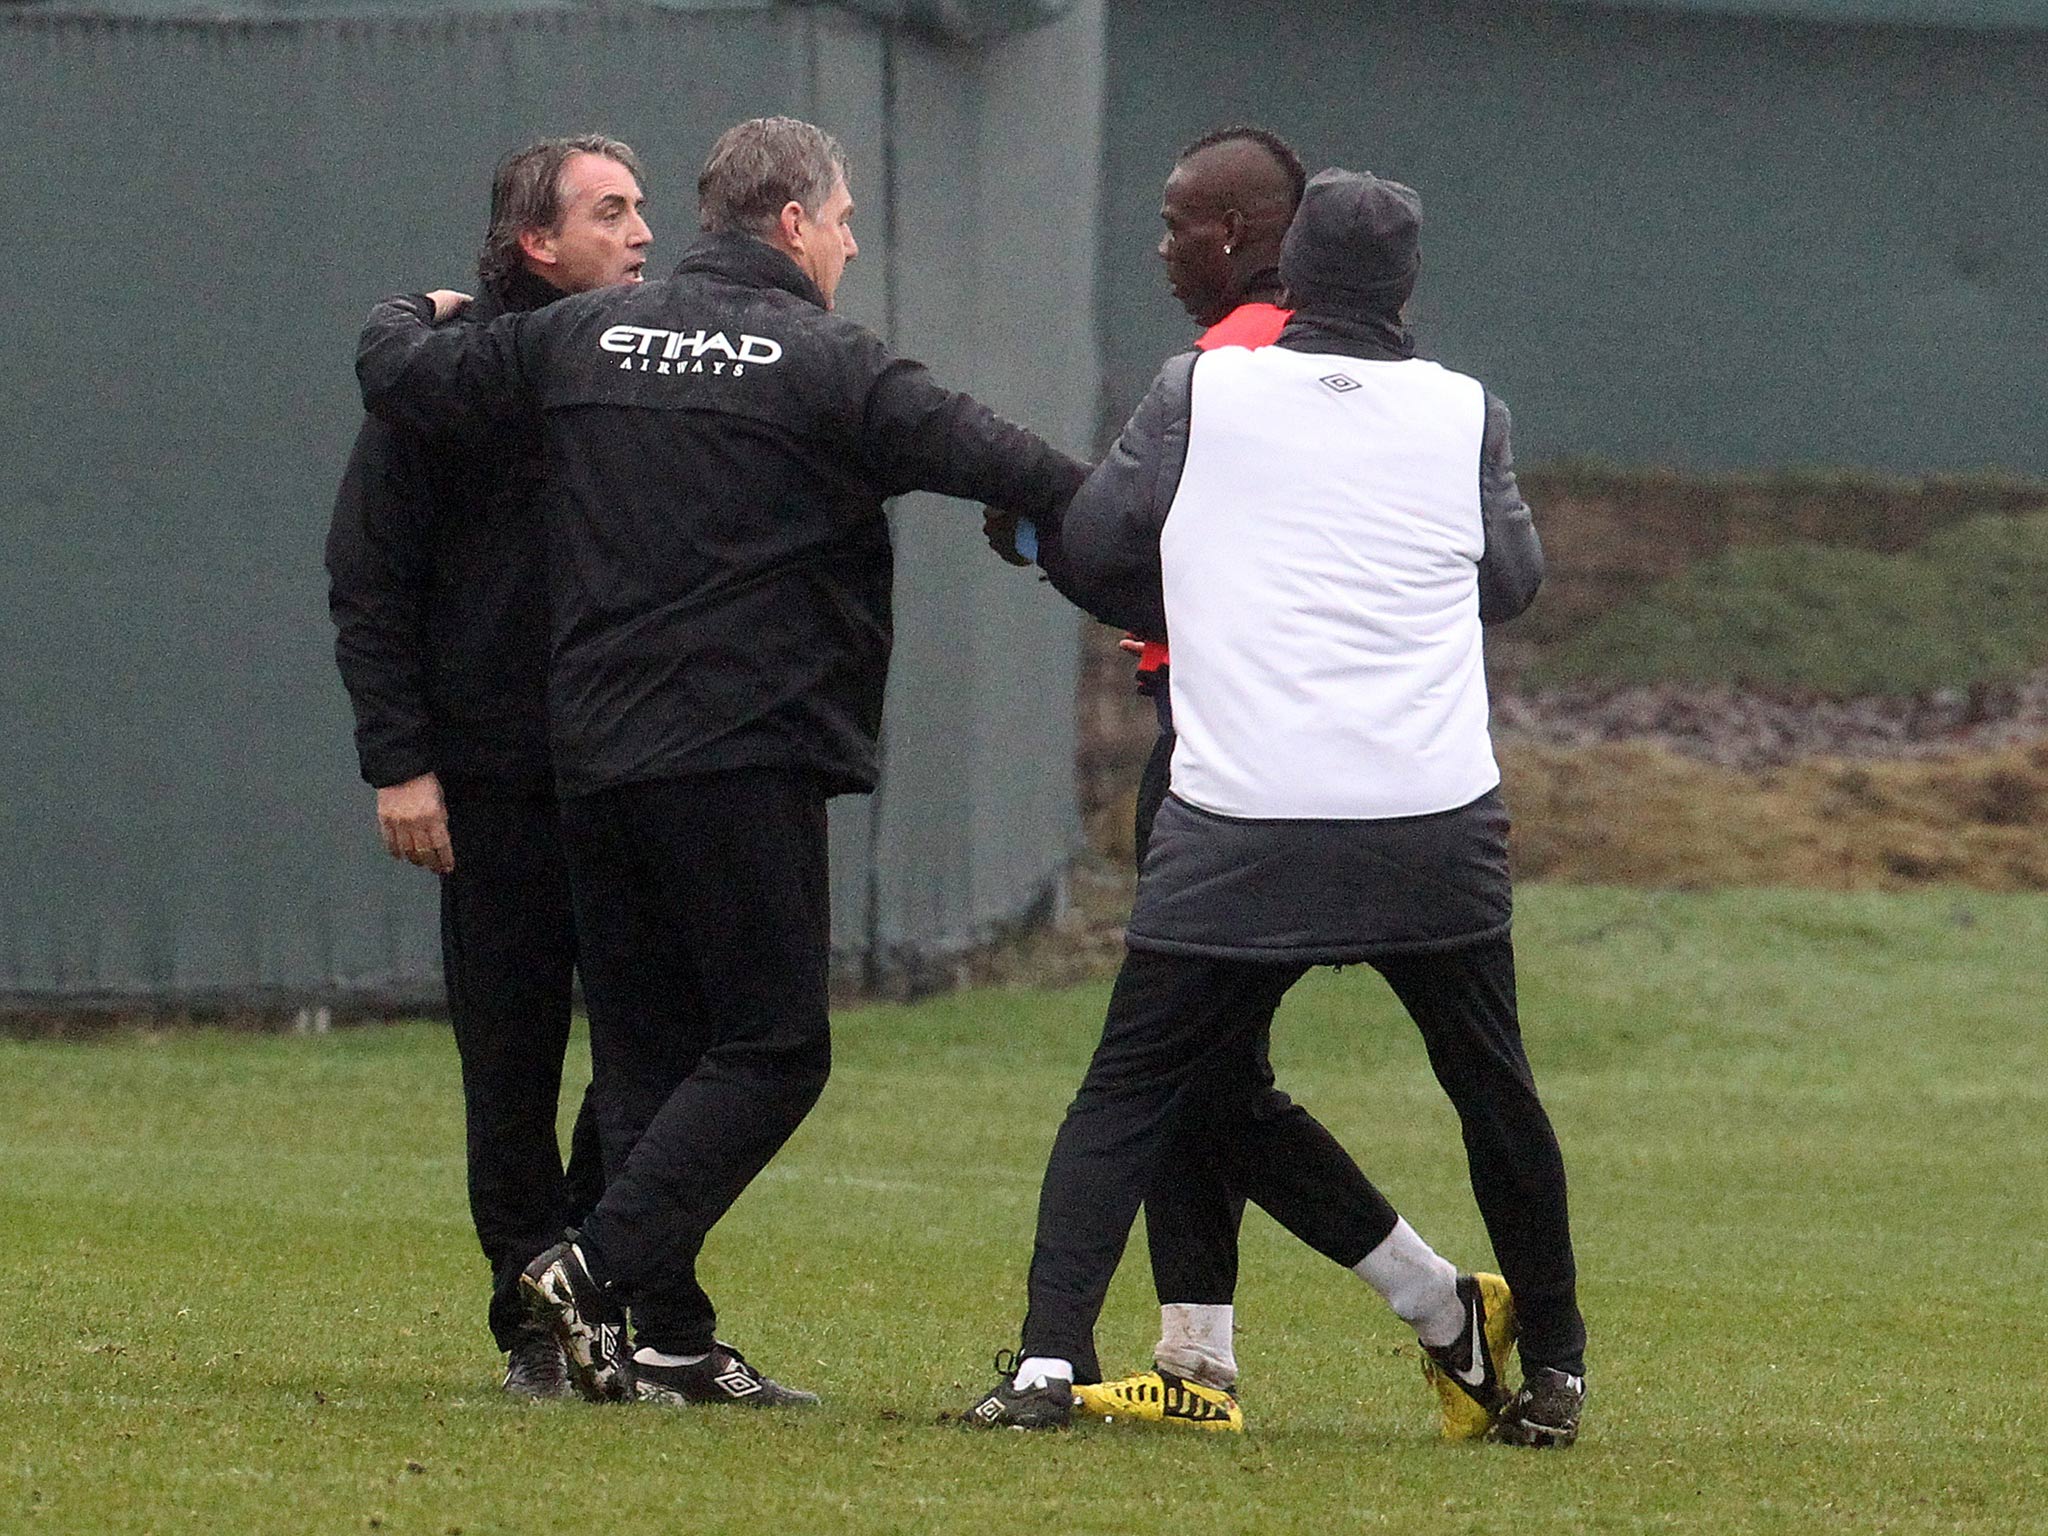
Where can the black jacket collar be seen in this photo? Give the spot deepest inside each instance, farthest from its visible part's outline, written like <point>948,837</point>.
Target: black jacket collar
<point>752,263</point>
<point>1376,338</point>
<point>523,290</point>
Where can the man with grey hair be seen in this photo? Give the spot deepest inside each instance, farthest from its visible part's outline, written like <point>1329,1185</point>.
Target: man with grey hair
<point>720,446</point>
<point>439,597</point>
<point>759,167</point>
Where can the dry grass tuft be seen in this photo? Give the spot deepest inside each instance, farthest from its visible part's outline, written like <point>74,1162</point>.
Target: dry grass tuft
<point>1630,814</point>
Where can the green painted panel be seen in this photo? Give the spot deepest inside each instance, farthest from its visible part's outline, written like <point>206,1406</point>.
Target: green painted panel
<point>1687,241</point>
<point>951,21</point>
<point>181,815</point>
<point>1909,13</point>
<point>993,290</point>
<point>965,21</point>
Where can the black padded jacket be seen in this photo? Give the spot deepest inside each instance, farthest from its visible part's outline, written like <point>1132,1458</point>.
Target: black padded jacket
<point>719,446</point>
<point>437,584</point>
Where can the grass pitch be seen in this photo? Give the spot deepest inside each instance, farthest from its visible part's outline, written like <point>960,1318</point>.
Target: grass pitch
<point>1809,1148</point>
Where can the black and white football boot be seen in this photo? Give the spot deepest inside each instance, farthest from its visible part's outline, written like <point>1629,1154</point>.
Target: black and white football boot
<point>535,1368</point>
<point>1545,1412</point>
<point>1050,1406</point>
<point>587,1323</point>
<point>723,1376</point>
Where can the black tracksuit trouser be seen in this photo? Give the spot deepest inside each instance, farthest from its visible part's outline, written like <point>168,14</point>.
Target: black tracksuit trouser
<point>1177,1073</point>
<point>1193,1213</point>
<point>705,917</point>
<point>508,955</point>
<point>1193,1216</point>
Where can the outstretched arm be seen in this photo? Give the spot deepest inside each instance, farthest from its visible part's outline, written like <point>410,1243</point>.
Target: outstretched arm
<point>917,436</point>
<point>415,375</point>
<point>1103,556</point>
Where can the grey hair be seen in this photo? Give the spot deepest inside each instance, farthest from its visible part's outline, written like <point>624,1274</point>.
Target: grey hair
<point>526,194</point>
<point>759,167</point>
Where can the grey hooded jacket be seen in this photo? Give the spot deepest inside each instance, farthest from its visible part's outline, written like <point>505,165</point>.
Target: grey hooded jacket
<point>1289,888</point>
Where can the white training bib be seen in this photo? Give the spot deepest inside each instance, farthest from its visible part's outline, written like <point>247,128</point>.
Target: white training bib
<point>1322,593</point>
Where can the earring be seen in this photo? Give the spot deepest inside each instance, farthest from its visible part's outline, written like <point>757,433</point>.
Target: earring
<point>1228,247</point>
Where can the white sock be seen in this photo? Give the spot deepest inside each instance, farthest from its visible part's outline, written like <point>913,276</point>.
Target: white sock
<point>1040,1369</point>
<point>1195,1343</point>
<point>645,1356</point>
<point>1418,1283</point>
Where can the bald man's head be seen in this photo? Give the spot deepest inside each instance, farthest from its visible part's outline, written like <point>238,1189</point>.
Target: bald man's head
<point>1226,207</point>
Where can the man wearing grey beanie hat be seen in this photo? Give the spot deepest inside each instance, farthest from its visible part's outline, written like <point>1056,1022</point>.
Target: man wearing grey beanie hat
<point>1355,246</point>
<point>1325,537</point>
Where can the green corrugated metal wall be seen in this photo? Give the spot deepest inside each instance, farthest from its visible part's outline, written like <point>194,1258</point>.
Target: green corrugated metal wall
<point>1914,13</point>
<point>1665,233</point>
<point>1663,238</point>
<point>203,212</point>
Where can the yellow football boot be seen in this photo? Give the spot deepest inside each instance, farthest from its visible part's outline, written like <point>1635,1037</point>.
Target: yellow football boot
<point>1470,1374</point>
<point>1160,1397</point>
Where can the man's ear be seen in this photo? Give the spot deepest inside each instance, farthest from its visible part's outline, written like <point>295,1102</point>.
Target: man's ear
<point>789,225</point>
<point>538,246</point>
<point>1234,226</point>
